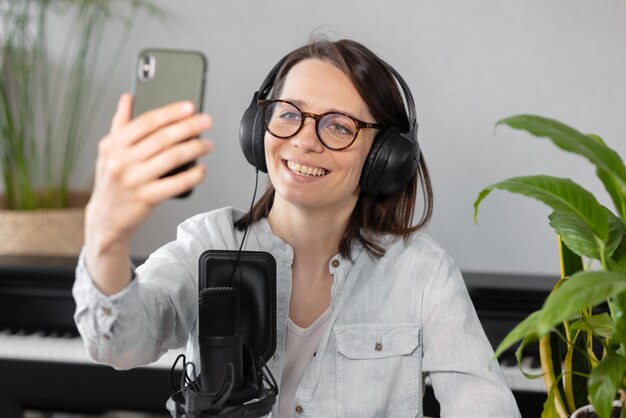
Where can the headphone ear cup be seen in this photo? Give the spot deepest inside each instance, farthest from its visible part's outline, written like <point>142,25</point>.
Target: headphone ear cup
<point>258,141</point>
<point>251,136</point>
<point>390,164</point>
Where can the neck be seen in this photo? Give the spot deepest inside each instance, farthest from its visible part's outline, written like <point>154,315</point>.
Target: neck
<point>313,233</point>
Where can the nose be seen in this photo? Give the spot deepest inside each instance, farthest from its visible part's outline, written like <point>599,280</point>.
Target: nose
<point>306,139</point>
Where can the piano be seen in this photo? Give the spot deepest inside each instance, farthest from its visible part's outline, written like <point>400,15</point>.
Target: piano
<point>43,365</point>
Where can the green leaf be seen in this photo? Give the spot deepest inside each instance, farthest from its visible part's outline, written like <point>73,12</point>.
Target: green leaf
<point>618,305</point>
<point>570,262</point>
<point>519,354</point>
<point>579,237</point>
<point>549,406</point>
<point>588,146</point>
<point>611,184</point>
<point>563,195</point>
<point>577,369</point>
<point>600,324</point>
<point>604,381</point>
<point>523,330</point>
<point>551,355</point>
<point>582,290</point>
<point>617,262</point>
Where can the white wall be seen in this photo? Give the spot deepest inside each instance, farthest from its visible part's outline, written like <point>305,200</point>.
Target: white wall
<point>468,63</point>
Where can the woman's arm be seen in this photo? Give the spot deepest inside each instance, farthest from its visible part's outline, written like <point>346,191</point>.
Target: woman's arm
<point>132,160</point>
<point>114,313</point>
<point>466,378</point>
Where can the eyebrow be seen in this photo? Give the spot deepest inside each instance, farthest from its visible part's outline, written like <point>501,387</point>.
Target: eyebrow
<point>302,103</point>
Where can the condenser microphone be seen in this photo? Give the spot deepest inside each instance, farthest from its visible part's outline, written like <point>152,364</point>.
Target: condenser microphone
<point>236,337</point>
<point>220,341</point>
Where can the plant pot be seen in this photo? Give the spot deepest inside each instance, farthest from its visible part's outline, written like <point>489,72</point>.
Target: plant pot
<point>587,411</point>
<point>44,232</point>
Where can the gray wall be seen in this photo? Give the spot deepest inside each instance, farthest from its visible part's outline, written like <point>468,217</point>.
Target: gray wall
<point>468,63</point>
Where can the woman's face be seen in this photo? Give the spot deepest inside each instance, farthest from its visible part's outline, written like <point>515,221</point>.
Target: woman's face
<point>304,172</point>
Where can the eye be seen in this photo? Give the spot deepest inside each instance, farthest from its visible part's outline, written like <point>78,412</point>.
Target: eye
<point>339,125</point>
<point>289,115</point>
<point>340,129</point>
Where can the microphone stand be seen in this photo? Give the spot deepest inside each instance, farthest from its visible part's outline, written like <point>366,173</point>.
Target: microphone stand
<point>251,401</point>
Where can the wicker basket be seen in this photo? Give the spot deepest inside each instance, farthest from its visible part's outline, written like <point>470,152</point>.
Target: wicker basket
<point>49,232</point>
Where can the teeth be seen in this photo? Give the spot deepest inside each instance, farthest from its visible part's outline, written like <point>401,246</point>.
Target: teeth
<point>303,170</point>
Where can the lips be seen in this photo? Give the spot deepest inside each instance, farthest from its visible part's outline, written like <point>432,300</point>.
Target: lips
<point>304,170</point>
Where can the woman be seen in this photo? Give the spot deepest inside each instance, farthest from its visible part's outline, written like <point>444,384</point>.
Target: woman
<point>368,305</point>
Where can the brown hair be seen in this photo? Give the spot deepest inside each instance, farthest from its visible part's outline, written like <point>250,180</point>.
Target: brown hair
<point>391,214</point>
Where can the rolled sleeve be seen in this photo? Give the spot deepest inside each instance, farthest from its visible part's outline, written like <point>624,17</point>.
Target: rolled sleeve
<point>97,315</point>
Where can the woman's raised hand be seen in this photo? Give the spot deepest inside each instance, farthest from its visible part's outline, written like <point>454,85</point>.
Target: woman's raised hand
<point>132,160</point>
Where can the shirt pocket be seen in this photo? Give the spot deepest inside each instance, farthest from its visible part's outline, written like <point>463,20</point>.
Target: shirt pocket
<point>378,370</point>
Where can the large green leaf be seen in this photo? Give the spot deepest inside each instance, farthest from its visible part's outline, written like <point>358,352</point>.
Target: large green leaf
<point>613,172</point>
<point>579,237</point>
<point>611,184</point>
<point>582,290</point>
<point>562,195</point>
<point>605,379</point>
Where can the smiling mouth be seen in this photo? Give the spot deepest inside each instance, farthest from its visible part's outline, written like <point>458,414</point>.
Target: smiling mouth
<point>306,171</point>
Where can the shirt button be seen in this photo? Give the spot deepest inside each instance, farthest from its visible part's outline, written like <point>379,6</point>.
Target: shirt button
<point>106,311</point>
<point>106,337</point>
<point>299,409</point>
<point>378,347</point>
<point>335,263</point>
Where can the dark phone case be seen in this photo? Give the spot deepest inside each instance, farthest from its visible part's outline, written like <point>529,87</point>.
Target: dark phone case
<point>178,75</point>
<point>255,279</point>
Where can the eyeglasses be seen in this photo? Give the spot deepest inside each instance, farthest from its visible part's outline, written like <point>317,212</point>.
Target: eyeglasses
<point>335,130</point>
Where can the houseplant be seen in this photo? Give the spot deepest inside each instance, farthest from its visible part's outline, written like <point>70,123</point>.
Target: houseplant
<point>47,105</point>
<point>581,328</point>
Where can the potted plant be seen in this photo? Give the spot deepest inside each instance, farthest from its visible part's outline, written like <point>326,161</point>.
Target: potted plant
<point>46,108</point>
<point>581,328</point>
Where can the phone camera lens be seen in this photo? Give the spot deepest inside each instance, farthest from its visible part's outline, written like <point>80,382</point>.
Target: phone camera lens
<point>146,68</point>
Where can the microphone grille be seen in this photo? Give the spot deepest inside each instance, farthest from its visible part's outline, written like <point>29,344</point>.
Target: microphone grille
<point>218,309</point>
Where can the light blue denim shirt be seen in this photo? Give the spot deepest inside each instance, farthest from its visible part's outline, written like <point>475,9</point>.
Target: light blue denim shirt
<point>395,320</point>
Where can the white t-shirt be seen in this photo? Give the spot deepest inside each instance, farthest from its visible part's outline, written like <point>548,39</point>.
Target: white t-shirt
<point>301,345</point>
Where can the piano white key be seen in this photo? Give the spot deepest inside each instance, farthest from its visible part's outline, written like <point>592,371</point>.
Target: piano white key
<point>518,382</point>
<point>37,347</point>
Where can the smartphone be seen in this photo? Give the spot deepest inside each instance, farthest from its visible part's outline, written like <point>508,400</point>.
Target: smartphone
<point>163,76</point>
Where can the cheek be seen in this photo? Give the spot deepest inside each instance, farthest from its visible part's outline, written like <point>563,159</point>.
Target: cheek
<point>270,146</point>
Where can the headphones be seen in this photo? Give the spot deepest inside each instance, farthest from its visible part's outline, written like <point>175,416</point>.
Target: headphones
<point>390,164</point>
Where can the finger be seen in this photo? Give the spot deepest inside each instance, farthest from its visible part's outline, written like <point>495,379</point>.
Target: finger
<point>151,121</point>
<point>166,137</point>
<point>168,187</point>
<point>123,112</point>
<point>161,164</point>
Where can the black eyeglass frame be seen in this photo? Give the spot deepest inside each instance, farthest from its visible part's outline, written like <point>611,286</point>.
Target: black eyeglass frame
<point>359,123</point>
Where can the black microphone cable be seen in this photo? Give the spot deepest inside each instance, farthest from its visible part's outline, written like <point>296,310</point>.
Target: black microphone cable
<point>245,232</point>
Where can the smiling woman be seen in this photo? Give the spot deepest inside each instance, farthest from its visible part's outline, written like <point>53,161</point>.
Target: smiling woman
<point>368,305</point>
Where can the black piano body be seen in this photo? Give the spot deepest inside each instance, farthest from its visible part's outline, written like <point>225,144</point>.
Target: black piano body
<point>35,297</point>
